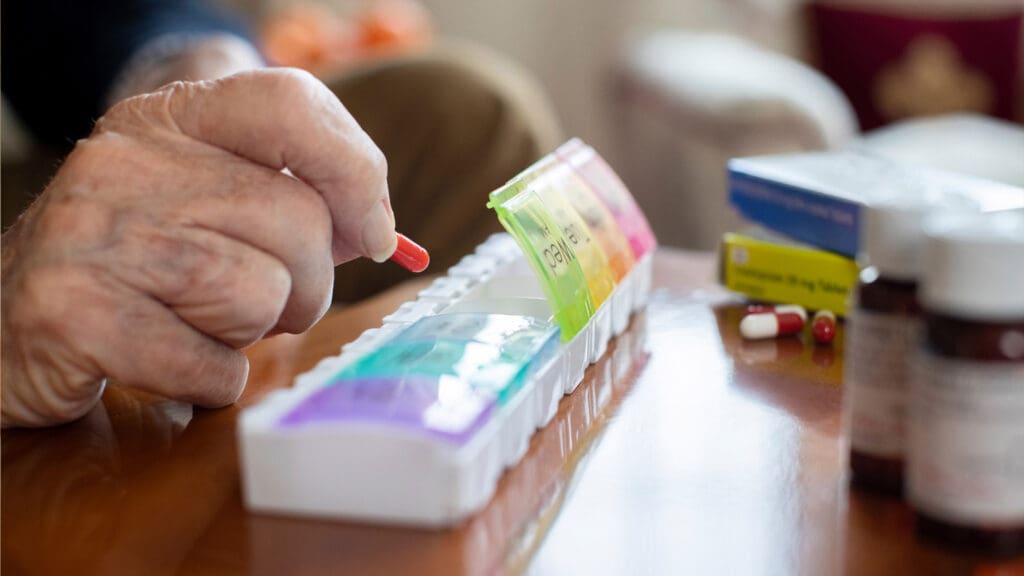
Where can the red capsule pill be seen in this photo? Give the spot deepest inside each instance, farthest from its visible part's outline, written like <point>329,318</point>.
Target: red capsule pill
<point>410,255</point>
<point>823,326</point>
<point>770,325</point>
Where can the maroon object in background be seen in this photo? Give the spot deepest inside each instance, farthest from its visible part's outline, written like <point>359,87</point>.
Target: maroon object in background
<point>897,64</point>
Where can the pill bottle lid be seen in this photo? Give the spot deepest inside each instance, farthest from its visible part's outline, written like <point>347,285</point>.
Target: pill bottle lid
<point>892,238</point>
<point>974,265</point>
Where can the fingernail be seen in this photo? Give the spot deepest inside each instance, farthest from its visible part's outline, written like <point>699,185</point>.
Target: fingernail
<point>379,238</point>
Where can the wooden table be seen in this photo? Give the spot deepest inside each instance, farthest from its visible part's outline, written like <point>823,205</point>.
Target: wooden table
<point>685,450</point>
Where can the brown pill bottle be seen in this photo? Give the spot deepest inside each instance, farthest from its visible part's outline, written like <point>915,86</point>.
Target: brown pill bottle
<point>965,450</point>
<point>881,334</point>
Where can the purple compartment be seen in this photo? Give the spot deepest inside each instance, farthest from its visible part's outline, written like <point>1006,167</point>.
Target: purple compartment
<point>443,406</point>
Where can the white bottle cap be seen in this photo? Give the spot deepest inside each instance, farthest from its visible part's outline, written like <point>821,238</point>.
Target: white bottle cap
<point>974,265</point>
<point>892,238</point>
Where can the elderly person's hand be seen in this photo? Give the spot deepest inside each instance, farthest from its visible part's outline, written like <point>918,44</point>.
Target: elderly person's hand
<point>171,238</point>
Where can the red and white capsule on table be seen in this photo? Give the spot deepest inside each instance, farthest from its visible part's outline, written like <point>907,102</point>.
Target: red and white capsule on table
<point>773,322</point>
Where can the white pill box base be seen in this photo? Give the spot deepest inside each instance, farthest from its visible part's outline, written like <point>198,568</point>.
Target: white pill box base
<point>374,473</point>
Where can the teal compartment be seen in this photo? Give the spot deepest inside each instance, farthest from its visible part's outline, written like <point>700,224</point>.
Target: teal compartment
<point>493,353</point>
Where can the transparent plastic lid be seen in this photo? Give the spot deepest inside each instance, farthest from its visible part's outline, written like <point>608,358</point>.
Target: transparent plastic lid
<point>549,254</point>
<point>607,185</point>
<point>542,180</point>
<point>599,220</point>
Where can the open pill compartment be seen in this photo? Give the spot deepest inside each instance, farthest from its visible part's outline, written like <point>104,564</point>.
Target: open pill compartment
<point>414,422</point>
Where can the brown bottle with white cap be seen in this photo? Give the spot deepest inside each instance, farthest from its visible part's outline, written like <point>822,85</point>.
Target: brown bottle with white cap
<point>881,332</point>
<point>965,451</point>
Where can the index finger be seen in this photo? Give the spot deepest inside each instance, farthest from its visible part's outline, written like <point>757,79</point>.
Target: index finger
<point>286,118</point>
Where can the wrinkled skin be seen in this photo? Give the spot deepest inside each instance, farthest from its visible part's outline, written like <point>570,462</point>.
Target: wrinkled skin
<point>194,221</point>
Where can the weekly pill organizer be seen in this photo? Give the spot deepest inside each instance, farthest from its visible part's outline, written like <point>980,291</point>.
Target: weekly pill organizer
<point>414,422</point>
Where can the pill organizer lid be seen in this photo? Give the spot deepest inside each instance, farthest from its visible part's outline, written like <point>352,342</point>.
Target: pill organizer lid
<point>520,181</point>
<point>565,286</point>
<point>612,191</point>
<point>549,187</point>
<point>974,265</point>
<point>603,226</point>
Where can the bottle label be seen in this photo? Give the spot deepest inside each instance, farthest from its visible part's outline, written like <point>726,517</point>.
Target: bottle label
<point>877,372</point>
<point>966,440</point>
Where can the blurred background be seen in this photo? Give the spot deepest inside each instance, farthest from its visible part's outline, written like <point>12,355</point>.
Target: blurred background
<point>668,90</point>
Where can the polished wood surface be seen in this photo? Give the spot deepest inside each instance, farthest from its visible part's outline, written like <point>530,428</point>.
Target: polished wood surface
<point>685,451</point>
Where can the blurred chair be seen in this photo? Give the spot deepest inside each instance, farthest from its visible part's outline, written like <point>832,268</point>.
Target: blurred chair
<point>687,103</point>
